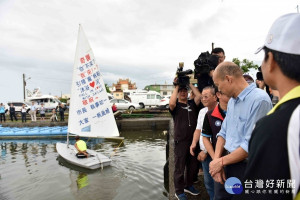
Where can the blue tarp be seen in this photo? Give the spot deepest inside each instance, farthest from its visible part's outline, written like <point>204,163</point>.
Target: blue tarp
<point>34,131</point>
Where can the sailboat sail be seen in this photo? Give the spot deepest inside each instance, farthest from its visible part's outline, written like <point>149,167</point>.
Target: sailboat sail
<point>90,111</point>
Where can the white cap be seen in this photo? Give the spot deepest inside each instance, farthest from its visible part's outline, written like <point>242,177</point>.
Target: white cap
<point>284,35</point>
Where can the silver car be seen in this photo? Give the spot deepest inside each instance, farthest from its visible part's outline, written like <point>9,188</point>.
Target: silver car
<point>124,104</point>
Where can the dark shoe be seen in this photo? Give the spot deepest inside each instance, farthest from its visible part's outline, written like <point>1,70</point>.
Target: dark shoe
<point>191,190</point>
<point>181,196</point>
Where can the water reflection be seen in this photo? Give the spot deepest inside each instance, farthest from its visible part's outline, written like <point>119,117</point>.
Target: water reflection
<point>82,180</point>
<point>3,153</point>
<point>13,147</point>
<point>29,168</point>
<point>43,150</point>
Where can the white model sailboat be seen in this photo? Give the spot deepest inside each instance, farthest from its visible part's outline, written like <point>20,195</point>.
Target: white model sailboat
<point>90,111</point>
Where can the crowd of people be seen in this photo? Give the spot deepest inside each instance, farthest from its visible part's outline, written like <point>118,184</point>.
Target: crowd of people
<point>246,131</point>
<point>32,111</point>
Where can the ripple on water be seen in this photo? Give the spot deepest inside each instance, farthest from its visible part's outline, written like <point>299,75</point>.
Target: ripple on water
<point>34,171</point>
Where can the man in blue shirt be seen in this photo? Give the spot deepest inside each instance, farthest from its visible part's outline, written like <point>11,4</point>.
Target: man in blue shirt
<point>247,105</point>
<point>2,112</point>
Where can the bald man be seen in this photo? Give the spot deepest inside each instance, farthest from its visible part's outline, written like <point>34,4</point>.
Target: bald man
<point>246,105</point>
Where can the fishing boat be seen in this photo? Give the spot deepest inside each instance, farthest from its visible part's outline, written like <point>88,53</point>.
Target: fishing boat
<point>90,113</point>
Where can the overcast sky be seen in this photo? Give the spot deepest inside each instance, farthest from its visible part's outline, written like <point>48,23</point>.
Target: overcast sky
<point>142,40</point>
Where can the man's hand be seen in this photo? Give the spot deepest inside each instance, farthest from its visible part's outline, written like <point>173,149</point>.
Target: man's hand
<point>192,149</point>
<point>175,81</point>
<point>201,156</point>
<point>220,177</point>
<point>215,166</point>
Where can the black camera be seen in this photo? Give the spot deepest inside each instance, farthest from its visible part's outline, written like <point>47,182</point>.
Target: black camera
<point>183,80</point>
<point>203,65</point>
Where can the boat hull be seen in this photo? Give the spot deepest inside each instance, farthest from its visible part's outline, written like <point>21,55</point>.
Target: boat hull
<point>68,152</point>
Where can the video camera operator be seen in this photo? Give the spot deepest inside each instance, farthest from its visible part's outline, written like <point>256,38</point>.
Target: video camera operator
<point>204,68</point>
<point>184,113</point>
<point>220,53</point>
<point>205,64</point>
<point>185,116</point>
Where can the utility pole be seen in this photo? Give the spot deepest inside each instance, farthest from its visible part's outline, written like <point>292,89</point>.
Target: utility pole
<point>212,46</point>
<point>297,8</point>
<point>24,85</point>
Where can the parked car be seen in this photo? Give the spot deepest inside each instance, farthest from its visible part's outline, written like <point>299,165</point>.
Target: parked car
<point>49,101</point>
<point>165,101</point>
<point>124,104</point>
<point>144,97</point>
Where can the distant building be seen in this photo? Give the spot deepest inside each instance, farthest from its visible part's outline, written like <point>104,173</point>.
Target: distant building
<point>122,84</point>
<point>118,94</point>
<point>163,89</point>
<point>66,96</point>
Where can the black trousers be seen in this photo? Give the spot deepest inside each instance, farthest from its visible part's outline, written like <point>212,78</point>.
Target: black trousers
<point>80,155</point>
<point>2,115</point>
<point>13,115</point>
<point>186,166</point>
<point>23,116</point>
<point>234,170</point>
<point>62,116</point>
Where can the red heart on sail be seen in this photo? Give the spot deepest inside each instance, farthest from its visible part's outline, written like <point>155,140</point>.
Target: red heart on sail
<point>92,84</point>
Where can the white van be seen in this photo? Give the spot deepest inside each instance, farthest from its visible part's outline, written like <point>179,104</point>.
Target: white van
<point>147,98</point>
<point>18,105</point>
<point>49,101</point>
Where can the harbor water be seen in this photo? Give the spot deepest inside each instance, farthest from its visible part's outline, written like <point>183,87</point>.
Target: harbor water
<point>32,169</point>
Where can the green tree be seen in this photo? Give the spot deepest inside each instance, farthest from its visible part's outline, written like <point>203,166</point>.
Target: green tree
<point>107,88</point>
<point>245,65</point>
<point>63,100</point>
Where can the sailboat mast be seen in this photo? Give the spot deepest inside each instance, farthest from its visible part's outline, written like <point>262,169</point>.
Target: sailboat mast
<point>68,139</point>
